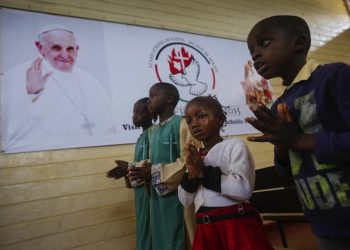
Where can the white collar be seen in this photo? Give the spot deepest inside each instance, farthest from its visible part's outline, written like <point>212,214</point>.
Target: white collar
<point>163,123</point>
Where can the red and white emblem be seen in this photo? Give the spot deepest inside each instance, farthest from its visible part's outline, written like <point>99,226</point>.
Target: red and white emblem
<point>187,67</point>
<point>185,72</point>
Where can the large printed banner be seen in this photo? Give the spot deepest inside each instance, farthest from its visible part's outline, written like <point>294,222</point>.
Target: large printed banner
<point>69,82</point>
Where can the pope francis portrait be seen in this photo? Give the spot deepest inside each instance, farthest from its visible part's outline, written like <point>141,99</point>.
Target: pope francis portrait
<point>49,102</point>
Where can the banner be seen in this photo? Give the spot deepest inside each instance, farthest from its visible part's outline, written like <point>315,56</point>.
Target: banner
<point>68,82</point>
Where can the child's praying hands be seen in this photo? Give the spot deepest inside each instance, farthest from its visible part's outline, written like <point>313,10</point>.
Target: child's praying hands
<point>119,171</point>
<point>279,129</point>
<point>194,162</point>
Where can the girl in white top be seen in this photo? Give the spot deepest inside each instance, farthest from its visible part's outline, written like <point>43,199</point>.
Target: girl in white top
<point>219,181</point>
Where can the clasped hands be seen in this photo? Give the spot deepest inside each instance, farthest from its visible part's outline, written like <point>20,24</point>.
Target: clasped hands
<point>122,169</point>
<point>194,162</point>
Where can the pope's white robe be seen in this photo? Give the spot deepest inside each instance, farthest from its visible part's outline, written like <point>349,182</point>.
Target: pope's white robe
<point>55,118</point>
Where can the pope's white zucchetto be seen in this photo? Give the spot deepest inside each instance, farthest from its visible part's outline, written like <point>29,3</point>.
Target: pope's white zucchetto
<point>53,27</point>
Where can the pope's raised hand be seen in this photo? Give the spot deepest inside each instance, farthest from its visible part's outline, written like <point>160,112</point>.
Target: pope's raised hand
<point>34,76</point>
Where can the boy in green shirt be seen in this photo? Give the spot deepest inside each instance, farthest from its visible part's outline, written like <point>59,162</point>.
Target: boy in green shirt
<point>139,179</point>
<point>172,226</point>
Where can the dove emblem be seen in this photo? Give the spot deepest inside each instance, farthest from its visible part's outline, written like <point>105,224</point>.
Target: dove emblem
<point>185,71</point>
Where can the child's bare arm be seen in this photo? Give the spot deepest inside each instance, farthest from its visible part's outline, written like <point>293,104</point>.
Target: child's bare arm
<point>279,130</point>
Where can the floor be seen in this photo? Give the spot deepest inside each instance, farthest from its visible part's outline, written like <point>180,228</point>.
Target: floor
<point>298,235</point>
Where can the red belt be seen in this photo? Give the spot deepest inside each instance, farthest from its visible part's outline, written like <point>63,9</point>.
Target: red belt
<point>241,210</point>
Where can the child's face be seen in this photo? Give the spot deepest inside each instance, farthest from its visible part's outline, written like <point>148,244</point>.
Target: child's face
<point>272,50</point>
<point>141,117</point>
<point>202,122</point>
<point>156,100</point>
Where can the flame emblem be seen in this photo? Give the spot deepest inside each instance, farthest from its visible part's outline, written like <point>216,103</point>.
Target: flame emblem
<point>185,71</point>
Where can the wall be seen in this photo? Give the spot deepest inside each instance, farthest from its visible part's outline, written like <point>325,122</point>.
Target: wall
<point>61,199</point>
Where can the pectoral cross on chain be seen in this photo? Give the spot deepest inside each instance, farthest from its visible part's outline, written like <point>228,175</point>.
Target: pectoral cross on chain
<point>88,125</point>
<point>171,142</point>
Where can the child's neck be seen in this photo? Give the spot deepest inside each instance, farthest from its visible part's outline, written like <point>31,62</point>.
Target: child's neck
<point>165,115</point>
<point>211,142</point>
<point>145,127</point>
<point>293,71</point>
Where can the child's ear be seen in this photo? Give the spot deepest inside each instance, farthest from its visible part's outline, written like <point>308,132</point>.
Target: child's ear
<point>170,99</point>
<point>221,121</point>
<point>300,44</point>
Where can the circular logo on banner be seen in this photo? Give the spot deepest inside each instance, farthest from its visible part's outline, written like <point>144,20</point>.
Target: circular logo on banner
<point>186,65</point>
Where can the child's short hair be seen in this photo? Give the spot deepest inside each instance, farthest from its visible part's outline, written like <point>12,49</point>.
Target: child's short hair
<point>294,25</point>
<point>144,102</point>
<point>212,103</point>
<point>169,89</point>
